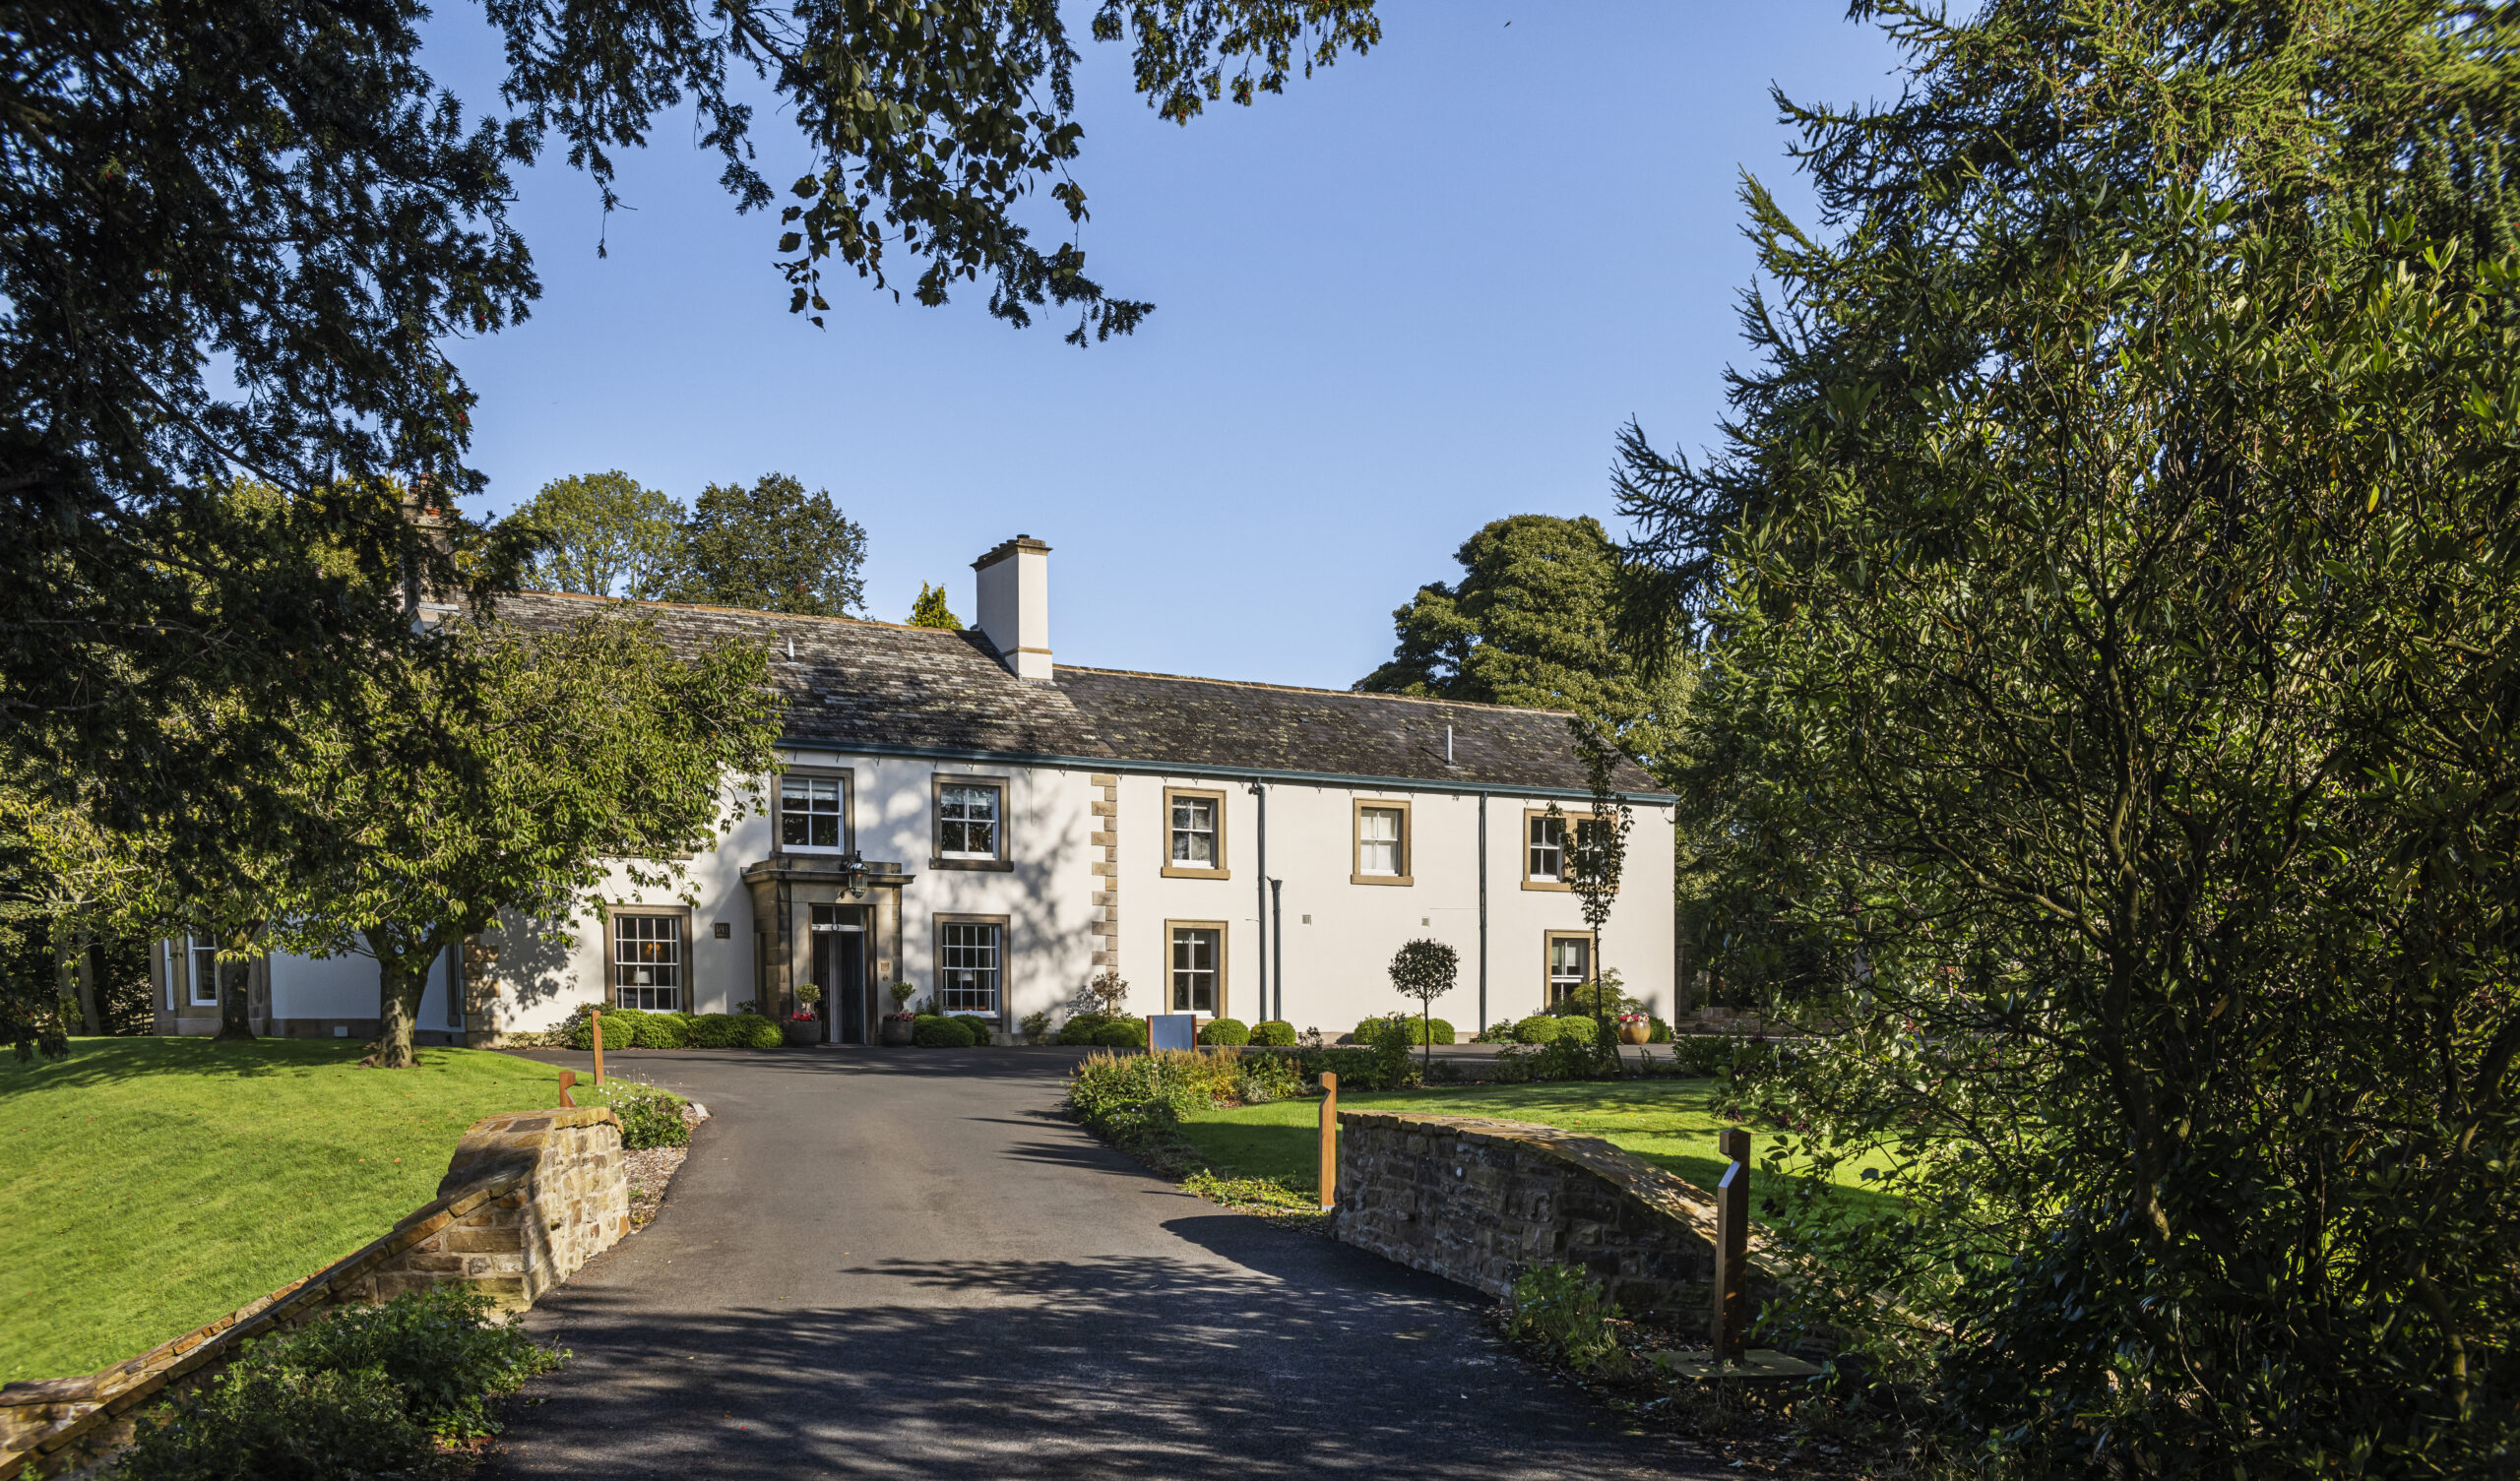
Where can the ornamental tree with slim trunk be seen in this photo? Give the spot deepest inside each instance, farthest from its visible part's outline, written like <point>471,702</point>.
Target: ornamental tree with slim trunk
<point>572,753</point>
<point>1426,970</point>
<point>1596,855</point>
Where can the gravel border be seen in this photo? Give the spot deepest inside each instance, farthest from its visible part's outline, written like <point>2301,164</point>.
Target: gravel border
<point>651,1169</point>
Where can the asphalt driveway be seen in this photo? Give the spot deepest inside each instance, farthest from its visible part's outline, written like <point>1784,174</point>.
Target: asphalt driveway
<point>903,1263</point>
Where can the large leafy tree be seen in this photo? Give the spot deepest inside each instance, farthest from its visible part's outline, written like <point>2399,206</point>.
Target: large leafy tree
<point>601,534</point>
<point>574,754</point>
<point>772,547</point>
<point>1531,622</point>
<point>241,239</point>
<point>2112,573</point>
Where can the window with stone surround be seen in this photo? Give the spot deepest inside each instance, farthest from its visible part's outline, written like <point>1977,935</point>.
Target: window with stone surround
<point>813,811</point>
<point>648,962</point>
<point>1194,834</point>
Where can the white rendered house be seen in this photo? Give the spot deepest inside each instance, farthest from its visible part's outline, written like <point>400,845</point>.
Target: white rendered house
<point>958,813</point>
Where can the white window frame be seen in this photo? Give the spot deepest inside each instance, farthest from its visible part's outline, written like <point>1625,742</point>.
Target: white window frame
<point>1534,846</point>
<point>809,785</point>
<point>650,995</point>
<point>1178,801</point>
<point>1182,982</point>
<point>946,788</point>
<point>195,951</point>
<point>1400,843</point>
<point>1550,991</point>
<point>970,973</point>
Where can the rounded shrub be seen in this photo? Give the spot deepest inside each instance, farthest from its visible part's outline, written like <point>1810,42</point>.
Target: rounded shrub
<point>1078,1033</point>
<point>753,1031</point>
<point>1656,1031</point>
<point>651,1120</point>
<point>662,1030</point>
<point>1548,1028</point>
<point>1277,1031</point>
<point>933,1032</point>
<point>1121,1034</point>
<point>622,1027</point>
<point>1499,1033</point>
<point>1418,1031</point>
<point>1225,1032</point>
<point>712,1030</point>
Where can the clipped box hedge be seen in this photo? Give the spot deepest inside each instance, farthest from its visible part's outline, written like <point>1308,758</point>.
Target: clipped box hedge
<point>1419,1031</point>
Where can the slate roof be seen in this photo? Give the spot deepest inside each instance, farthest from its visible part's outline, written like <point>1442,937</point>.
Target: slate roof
<point>1217,723</point>
<point>876,685</point>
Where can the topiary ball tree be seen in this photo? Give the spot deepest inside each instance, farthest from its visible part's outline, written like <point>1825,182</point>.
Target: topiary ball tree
<point>1424,969</point>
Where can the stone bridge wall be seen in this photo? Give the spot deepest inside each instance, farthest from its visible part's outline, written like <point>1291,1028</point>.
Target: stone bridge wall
<point>526,1201</point>
<point>1481,1202</point>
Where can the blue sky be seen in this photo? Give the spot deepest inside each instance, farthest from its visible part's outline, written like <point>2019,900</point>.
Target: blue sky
<point>1418,292</point>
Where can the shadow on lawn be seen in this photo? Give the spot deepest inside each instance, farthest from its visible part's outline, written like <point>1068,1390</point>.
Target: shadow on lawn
<point>98,1062</point>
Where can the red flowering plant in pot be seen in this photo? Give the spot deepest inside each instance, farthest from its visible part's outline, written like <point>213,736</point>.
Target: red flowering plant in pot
<point>1635,1029</point>
<point>803,1025</point>
<point>901,1021</point>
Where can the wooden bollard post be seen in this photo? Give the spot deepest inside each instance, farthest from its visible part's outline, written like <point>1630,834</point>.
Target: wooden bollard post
<point>568,1078</point>
<point>1329,1139</point>
<point>1731,1324</point>
<point>599,1048</point>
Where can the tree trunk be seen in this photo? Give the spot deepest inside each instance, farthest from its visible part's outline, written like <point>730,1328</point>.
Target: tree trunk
<point>401,978</point>
<point>92,1018</point>
<point>234,980</point>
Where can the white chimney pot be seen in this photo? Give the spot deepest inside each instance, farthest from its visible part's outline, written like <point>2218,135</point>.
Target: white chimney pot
<point>1015,606</point>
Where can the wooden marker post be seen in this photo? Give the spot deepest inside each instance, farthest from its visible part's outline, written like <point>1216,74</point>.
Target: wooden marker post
<point>1731,1322</point>
<point>1329,1139</point>
<point>598,1047</point>
<point>568,1078</point>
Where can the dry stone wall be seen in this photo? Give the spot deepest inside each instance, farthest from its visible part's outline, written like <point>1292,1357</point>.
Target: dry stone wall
<point>1479,1201</point>
<point>527,1199</point>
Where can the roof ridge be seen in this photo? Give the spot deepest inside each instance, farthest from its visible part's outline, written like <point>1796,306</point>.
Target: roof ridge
<point>702,606</point>
<point>1353,694</point>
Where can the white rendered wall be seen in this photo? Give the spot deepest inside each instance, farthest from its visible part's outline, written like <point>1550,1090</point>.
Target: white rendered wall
<point>1336,967</point>
<point>1336,964</point>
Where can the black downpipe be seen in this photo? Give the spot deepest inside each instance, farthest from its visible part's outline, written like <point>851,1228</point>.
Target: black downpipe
<point>1483,912</point>
<point>1267,952</point>
<point>1277,951</point>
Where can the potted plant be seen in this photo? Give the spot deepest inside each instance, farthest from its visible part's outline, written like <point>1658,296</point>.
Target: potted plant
<point>898,1023</point>
<point>1635,1029</point>
<point>804,1027</point>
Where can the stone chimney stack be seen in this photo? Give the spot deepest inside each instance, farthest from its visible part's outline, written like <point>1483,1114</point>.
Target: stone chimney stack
<point>1015,606</point>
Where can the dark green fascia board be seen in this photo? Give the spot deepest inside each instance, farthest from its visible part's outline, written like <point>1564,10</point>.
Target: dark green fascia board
<point>1222,774</point>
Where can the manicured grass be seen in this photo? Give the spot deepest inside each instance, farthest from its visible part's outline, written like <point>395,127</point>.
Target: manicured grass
<point>155,1184</point>
<point>1663,1121</point>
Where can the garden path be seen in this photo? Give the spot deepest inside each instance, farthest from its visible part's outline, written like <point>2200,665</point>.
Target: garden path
<point>903,1263</point>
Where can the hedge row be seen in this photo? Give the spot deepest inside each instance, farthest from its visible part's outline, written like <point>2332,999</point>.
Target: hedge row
<point>943,1031</point>
<point>1419,1031</point>
<point>632,1029</point>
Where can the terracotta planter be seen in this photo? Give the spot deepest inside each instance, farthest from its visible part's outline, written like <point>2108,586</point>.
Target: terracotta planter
<point>1636,1033</point>
<point>895,1034</point>
<point>803,1032</point>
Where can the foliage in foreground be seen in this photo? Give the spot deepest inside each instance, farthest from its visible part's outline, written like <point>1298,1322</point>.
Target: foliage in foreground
<point>1128,1097</point>
<point>2116,582</point>
<point>1567,1312</point>
<point>366,1391</point>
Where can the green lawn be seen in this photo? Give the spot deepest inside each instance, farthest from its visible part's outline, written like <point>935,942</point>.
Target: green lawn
<point>1663,1121</point>
<point>155,1184</point>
